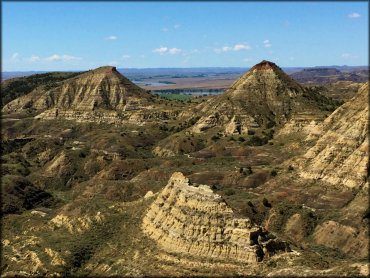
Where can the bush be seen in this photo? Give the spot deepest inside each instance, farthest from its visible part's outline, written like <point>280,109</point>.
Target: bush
<point>163,127</point>
<point>366,213</point>
<point>229,192</point>
<point>215,138</point>
<point>273,173</point>
<point>257,141</point>
<point>270,124</point>
<point>241,139</point>
<point>251,132</point>
<point>290,168</point>
<point>266,203</point>
<point>249,170</point>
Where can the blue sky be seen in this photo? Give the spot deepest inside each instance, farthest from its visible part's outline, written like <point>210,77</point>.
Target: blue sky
<point>86,35</point>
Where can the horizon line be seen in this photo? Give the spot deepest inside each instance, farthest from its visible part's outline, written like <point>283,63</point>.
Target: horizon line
<point>205,67</point>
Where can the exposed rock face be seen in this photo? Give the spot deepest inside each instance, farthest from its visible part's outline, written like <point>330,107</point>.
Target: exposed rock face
<point>265,95</point>
<point>194,220</point>
<point>102,88</point>
<point>349,239</point>
<point>340,156</point>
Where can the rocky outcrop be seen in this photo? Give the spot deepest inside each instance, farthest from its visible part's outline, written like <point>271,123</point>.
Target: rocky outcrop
<point>102,88</point>
<point>192,219</point>
<point>350,240</point>
<point>263,97</point>
<point>340,156</point>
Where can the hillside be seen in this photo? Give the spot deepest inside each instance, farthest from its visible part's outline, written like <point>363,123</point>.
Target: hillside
<point>102,88</point>
<point>20,86</point>
<point>257,104</point>
<point>340,154</point>
<point>211,186</point>
<point>320,76</point>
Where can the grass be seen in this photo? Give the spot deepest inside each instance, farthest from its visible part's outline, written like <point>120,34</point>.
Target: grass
<point>175,96</point>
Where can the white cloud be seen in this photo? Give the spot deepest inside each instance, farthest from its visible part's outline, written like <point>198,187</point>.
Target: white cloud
<point>226,48</point>
<point>111,38</point>
<point>353,15</point>
<point>241,46</point>
<point>125,57</point>
<point>34,58</point>
<point>176,26</point>
<point>237,47</point>
<point>64,58</point>
<point>113,63</point>
<point>165,29</point>
<point>15,56</point>
<point>161,50</point>
<point>174,50</point>
<point>267,43</point>
<point>348,56</point>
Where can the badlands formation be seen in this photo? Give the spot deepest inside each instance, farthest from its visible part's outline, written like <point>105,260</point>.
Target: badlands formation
<point>192,219</point>
<point>261,180</point>
<point>340,156</point>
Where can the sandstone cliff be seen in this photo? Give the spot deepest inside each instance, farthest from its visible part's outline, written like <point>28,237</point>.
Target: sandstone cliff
<point>340,156</point>
<point>192,219</point>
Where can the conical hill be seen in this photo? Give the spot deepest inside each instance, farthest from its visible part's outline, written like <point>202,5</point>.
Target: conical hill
<point>264,96</point>
<point>103,88</point>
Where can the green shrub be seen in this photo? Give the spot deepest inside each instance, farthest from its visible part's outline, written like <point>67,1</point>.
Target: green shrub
<point>229,192</point>
<point>366,213</point>
<point>266,203</point>
<point>257,141</point>
<point>270,124</point>
<point>215,137</point>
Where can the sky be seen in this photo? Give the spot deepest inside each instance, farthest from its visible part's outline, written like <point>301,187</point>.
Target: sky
<point>45,36</point>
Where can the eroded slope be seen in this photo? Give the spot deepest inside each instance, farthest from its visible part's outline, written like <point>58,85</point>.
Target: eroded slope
<point>340,156</point>
<point>190,219</point>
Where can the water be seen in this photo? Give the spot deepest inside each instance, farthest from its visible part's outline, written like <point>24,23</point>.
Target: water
<point>202,93</point>
<point>150,83</point>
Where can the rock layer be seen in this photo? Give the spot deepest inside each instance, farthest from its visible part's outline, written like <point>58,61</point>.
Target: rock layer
<point>192,219</point>
<point>264,96</point>
<point>340,156</point>
<point>102,88</point>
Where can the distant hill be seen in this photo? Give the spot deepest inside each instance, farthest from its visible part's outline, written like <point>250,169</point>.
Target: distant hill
<point>263,98</point>
<point>102,88</point>
<point>19,86</point>
<point>319,76</point>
